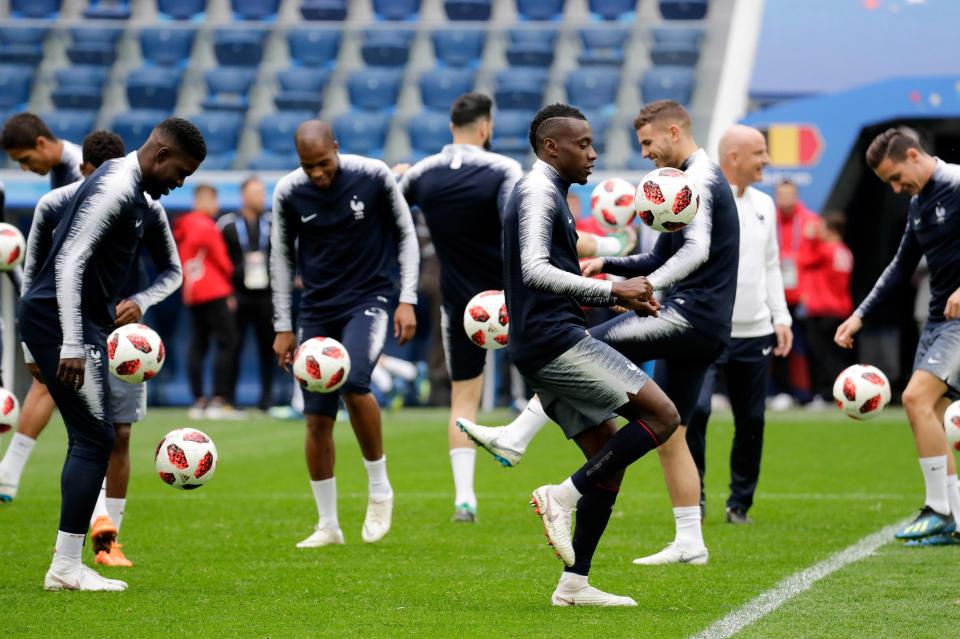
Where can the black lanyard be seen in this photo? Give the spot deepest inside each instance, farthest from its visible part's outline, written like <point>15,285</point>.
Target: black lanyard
<point>244,239</point>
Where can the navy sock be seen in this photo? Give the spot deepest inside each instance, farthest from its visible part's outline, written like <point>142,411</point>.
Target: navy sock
<point>631,442</point>
<point>593,513</point>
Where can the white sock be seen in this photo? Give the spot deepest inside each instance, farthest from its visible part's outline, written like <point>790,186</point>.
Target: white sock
<point>381,379</point>
<point>379,487</point>
<point>689,532</point>
<point>115,507</point>
<point>100,508</point>
<point>567,495</point>
<point>571,581</point>
<point>525,427</point>
<point>953,496</point>
<point>399,367</point>
<point>325,495</point>
<point>935,477</point>
<point>18,452</point>
<point>462,460</point>
<point>68,551</point>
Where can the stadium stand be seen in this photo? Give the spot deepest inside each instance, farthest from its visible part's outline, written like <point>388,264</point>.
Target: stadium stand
<point>386,47</point>
<point>683,9</point>
<point>440,87</point>
<point>613,9</point>
<point>94,45</point>
<point>70,125</point>
<point>228,88</point>
<point>255,9</point>
<point>44,9</point>
<point>474,10</point>
<point>374,89</point>
<point>407,10</point>
<point>22,45</point>
<point>182,9</point>
<point>540,9</point>
<point>167,47</point>
<point>153,88</point>
<point>107,10</point>
<point>301,89</point>
<point>79,87</point>
<point>531,48</point>
<point>134,126</point>
<point>314,47</point>
<point>667,83</point>
<point>459,47</point>
<point>333,10</point>
<point>362,133</point>
<point>15,81</point>
<point>221,131</point>
<point>676,46</point>
<point>428,131</point>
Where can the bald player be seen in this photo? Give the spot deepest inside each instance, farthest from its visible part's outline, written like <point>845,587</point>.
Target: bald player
<point>341,223</point>
<point>761,323</point>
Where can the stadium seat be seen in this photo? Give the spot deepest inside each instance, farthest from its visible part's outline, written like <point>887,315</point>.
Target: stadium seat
<point>396,9</point>
<point>511,132</point>
<point>182,9</point>
<point>603,46</point>
<point>262,10</point>
<point>94,46</point>
<point>599,120</point>
<point>520,88</point>
<point>70,125</point>
<point>166,47</point>
<point>429,131</point>
<point>531,48</point>
<point>373,89</point>
<point>540,9</point>
<point>153,88</point>
<point>221,132</point>
<point>679,47</point>
<point>107,10</point>
<point>440,87</point>
<point>301,89</point>
<point>15,81</point>
<point>267,161</point>
<point>547,36</point>
<point>683,9</point>
<point>227,88</point>
<point>362,133</point>
<point>667,83</point>
<point>22,45</point>
<point>637,162</point>
<point>476,10</point>
<point>593,88</point>
<point>459,47</point>
<point>314,47</point>
<point>239,48</point>
<point>386,48</point>
<point>277,130</point>
<point>135,126</point>
<point>79,87</point>
<point>612,9</point>
<point>38,9</point>
<point>333,10</point>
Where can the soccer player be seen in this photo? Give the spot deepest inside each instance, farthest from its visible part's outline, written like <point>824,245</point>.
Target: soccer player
<point>933,232</point>
<point>337,222</point>
<point>696,269</point>
<point>761,323</point>
<point>462,192</point>
<point>29,142</point>
<point>69,308</point>
<point>582,382</point>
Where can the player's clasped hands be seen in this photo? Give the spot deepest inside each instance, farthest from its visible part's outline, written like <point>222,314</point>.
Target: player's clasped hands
<point>636,294</point>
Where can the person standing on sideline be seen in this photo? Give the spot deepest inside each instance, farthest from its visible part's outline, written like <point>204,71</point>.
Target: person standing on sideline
<point>208,293</point>
<point>760,329</point>
<point>247,235</point>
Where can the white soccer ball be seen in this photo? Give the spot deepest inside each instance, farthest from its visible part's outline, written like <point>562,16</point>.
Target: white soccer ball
<point>486,321</point>
<point>12,246</point>
<point>321,365</point>
<point>186,458</point>
<point>666,200</point>
<point>861,391</point>
<point>9,411</point>
<point>135,353</point>
<point>611,204</point>
<point>951,423</point>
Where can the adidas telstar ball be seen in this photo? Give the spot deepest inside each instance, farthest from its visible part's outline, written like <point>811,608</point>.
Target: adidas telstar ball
<point>9,411</point>
<point>861,391</point>
<point>135,353</point>
<point>666,200</point>
<point>12,246</point>
<point>611,204</point>
<point>951,423</point>
<point>486,321</point>
<point>321,365</point>
<point>186,458</point>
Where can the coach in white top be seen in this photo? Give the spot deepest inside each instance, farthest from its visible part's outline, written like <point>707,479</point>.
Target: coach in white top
<point>761,322</point>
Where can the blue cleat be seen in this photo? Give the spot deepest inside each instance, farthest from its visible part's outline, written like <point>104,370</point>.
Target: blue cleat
<point>928,522</point>
<point>940,539</point>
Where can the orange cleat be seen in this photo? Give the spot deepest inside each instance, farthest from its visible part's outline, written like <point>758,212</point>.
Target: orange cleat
<point>103,533</point>
<point>113,557</point>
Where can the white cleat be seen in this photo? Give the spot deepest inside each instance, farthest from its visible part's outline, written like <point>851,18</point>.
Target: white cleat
<point>81,578</point>
<point>377,522</point>
<point>674,554</point>
<point>557,522</point>
<point>587,595</point>
<point>323,537</point>
<point>491,439</point>
<point>8,488</point>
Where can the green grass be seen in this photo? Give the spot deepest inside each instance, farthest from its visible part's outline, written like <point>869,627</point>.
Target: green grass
<point>221,561</point>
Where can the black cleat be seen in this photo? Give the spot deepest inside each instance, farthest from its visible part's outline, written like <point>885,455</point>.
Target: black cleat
<point>737,516</point>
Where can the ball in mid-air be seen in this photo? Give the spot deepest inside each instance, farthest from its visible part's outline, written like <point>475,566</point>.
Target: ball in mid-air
<point>861,391</point>
<point>135,353</point>
<point>486,321</point>
<point>12,246</point>
<point>667,200</point>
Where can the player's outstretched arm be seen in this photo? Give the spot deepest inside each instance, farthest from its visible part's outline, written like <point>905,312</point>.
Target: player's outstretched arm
<point>901,268</point>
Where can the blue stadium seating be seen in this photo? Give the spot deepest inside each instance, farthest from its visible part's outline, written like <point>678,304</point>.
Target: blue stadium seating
<point>683,9</point>
<point>314,47</point>
<point>511,133</point>
<point>396,9</point>
<point>637,162</point>
<point>362,133</point>
<point>667,83</point>
<point>135,126</point>
<point>539,35</point>
<point>15,81</point>
<point>301,89</point>
<point>374,89</point>
<point>94,46</point>
<point>239,47</point>
<point>386,48</point>
<point>263,10</point>
<point>182,9</point>
<point>277,129</point>
<point>531,48</point>
<point>520,88</point>
<point>459,47</point>
<point>593,88</point>
<point>474,10</point>
<point>613,9</point>
<point>22,45</point>
<point>221,132</point>
<point>334,10</point>
<point>35,8</point>
<point>79,87</point>
<point>677,46</point>
<point>440,87</point>
<point>70,125</point>
<point>267,161</point>
<point>428,131</point>
<point>153,88</point>
<point>600,120</point>
<point>108,10</point>
<point>603,46</point>
<point>166,47</point>
<point>227,88</point>
<point>540,9</point>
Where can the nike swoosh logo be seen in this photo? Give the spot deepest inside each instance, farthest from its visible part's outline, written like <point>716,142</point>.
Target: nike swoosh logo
<point>372,312</point>
<point>767,350</point>
<point>933,470</point>
<point>139,223</point>
<point>685,558</point>
<point>60,581</point>
<point>934,361</point>
<point>307,218</point>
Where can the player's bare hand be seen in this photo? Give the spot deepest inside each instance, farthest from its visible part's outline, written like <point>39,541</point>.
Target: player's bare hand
<point>592,267</point>
<point>127,313</point>
<point>952,310</point>
<point>404,323</point>
<point>636,288</point>
<point>845,332</point>
<point>784,340</point>
<point>646,308</point>
<point>35,371</point>
<point>284,344</point>
<point>70,372</point>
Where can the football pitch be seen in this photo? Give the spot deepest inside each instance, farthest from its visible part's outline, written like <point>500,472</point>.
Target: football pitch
<point>221,562</point>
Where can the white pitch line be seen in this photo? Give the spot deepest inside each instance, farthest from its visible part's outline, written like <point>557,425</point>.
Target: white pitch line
<point>768,601</point>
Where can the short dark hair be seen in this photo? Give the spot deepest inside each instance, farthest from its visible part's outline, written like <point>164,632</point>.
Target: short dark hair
<point>22,130</point>
<point>835,220</point>
<point>100,146</point>
<point>205,187</point>
<point>550,112</point>
<point>469,108</point>
<point>186,136</point>
<point>894,144</point>
<point>249,180</point>
<point>661,110</point>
